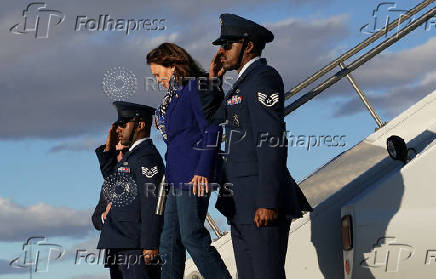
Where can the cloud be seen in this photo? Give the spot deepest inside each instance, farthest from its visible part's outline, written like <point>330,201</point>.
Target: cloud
<point>390,70</point>
<point>302,46</point>
<point>394,100</point>
<point>85,144</point>
<point>52,87</point>
<point>41,219</point>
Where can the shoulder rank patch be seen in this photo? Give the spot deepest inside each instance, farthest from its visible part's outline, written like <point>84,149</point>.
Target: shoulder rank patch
<point>234,100</point>
<point>266,100</point>
<point>149,172</point>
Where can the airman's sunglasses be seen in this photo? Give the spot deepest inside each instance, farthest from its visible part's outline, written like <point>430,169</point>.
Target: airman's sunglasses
<point>121,123</point>
<point>227,45</point>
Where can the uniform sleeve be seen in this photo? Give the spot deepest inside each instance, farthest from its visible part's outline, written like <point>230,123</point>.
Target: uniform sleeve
<point>100,208</point>
<point>148,178</point>
<point>107,160</point>
<point>205,102</point>
<point>266,110</point>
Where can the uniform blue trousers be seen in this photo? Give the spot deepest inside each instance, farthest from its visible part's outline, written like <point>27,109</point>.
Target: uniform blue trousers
<point>131,265</point>
<point>260,253</point>
<point>184,231</point>
<point>115,272</point>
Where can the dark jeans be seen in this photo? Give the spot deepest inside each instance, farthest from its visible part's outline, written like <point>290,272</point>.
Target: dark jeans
<point>184,230</point>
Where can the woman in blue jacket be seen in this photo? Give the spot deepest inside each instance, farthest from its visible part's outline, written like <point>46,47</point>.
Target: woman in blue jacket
<point>184,119</point>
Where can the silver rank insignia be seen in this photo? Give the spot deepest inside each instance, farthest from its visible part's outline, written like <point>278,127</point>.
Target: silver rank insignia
<point>235,119</point>
<point>149,172</point>
<point>266,100</point>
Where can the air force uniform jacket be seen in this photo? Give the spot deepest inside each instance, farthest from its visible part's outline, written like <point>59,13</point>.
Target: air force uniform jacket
<point>134,225</point>
<point>256,148</point>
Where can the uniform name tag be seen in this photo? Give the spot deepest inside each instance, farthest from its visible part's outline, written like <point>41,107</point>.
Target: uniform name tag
<point>124,170</point>
<point>234,100</point>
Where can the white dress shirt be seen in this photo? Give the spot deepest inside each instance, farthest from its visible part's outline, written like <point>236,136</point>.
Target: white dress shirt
<point>138,142</point>
<point>247,65</point>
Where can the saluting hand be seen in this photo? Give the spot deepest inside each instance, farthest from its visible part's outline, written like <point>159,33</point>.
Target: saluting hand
<point>265,216</point>
<point>111,139</point>
<point>216,69</point>
<point>199,185</point>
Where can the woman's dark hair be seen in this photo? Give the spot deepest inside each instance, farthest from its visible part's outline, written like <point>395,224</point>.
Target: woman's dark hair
<point>169,55</point>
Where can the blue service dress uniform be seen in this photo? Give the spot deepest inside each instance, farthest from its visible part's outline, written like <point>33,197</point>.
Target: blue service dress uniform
<point>255,166</point>
<point>133,227</point>
<point>97,221</point>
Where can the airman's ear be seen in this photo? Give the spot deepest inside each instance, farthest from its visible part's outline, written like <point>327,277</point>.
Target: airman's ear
<point>250,47</point>
<point>141,125</point>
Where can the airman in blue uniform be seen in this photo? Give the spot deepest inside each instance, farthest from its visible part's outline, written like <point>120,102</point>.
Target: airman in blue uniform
<point>264,197</point>
<point>131,230</point>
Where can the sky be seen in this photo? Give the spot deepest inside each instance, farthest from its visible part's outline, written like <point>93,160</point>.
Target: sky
<point>55,112</point>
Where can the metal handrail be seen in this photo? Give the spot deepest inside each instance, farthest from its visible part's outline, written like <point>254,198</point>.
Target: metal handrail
<point>214,226</point>
<point>363,98</point>
<point>357,49</point>
<point>360,61</point>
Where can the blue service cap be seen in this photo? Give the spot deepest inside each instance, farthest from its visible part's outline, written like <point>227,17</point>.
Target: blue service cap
<point>127,111</point>
<point>234,27</point>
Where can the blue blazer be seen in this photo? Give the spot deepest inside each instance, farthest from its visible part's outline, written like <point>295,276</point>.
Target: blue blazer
<point>192,138</point>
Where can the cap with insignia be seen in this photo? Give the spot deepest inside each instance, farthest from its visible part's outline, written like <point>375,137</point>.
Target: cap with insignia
<point>128,111</point>
<point>234,27</point>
